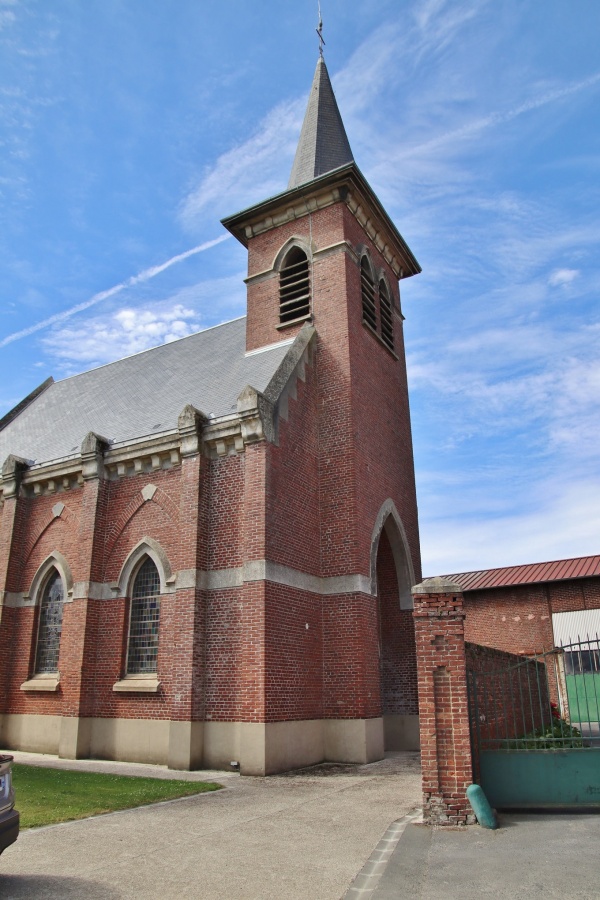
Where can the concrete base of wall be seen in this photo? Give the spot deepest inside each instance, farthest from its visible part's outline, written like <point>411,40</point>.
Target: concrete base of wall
<point>259,748</point>
<point>38,734</point>
<point>268,748</point>
<point>133,740</point>
<point>401,733</point>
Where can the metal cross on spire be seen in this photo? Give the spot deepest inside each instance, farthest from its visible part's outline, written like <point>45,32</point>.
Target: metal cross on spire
<point>319,31</point>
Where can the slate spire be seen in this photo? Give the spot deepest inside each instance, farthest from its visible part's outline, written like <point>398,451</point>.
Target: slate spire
<point>323,144</point>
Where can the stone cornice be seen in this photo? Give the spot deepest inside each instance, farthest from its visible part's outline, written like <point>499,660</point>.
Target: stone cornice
<point>256,419</point>
<point>347,185</point>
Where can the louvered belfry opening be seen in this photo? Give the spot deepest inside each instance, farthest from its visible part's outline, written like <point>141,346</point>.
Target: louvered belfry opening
<point>294,286</point>
<point>385,309</point>
<point>367,286</point>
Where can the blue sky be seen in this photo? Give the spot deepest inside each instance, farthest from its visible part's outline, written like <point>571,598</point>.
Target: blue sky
<point>129,128</point>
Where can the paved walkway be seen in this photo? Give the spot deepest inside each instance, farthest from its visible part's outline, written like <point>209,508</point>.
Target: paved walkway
<point>554,856</point>
<point>324,833</point>
<point>303,835</point>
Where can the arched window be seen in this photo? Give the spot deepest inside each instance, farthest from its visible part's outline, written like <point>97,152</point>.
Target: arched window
<point>385,309</point>
<point>367,287</point>
<point>142,652</point>
<point>50,625</point>
<point>294,286</point>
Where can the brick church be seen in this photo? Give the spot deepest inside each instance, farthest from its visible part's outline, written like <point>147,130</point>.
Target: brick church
<point>207,549</point>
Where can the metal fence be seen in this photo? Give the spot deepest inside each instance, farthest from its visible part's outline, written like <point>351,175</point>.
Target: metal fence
<point>544,702</point>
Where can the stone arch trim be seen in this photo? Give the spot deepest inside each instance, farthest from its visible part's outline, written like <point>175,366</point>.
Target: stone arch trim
<point>54,561</point>
<point>158,496</point>
<point>393,291</point>
<point>65,514</point>
<point>146,547</point>
<point>389,518</point>
<point>363,252</point>
<point>380,276</point>
<point>294,241</point>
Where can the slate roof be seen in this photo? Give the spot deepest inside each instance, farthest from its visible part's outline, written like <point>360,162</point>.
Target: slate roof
<point>323,144</point>
<point>534,573</point>
<point>142,394</point>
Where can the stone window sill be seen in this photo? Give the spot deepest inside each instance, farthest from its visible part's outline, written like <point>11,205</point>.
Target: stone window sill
<point>42,683</point>
<point>139,684</point>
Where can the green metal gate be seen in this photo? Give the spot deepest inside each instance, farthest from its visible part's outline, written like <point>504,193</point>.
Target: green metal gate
<point>535,729</point>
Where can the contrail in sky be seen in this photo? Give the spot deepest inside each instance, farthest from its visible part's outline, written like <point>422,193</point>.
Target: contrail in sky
<point>497,118</point>
<point>145,275</point>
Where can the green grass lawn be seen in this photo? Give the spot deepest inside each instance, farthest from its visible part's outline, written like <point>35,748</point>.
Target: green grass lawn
<point>46,796</point>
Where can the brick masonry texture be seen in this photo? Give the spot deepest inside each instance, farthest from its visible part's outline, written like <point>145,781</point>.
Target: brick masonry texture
<point>256,651</point>
<point>503,627</point>
<point>519,619</point>
<point>398,660</point>
<point>446,764</point>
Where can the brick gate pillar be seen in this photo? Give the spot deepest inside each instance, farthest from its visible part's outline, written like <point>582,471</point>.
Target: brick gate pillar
<point>446,762</point>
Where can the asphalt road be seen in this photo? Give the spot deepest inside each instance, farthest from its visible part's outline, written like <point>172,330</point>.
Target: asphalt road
<point>531,855</point>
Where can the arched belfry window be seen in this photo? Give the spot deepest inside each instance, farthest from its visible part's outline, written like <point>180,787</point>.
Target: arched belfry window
<point>367,288</point>
<point>142,652</point>
<point>50,625</point>
<point>385,310</point>
<point>294,286</point>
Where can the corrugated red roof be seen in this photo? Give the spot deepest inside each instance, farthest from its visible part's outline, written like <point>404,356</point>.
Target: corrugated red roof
<point>534,573</point>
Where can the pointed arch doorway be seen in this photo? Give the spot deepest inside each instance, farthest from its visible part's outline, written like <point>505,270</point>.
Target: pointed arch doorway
<point>393,577</point>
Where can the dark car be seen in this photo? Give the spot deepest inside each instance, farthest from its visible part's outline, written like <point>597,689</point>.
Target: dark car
<point>9,817</point>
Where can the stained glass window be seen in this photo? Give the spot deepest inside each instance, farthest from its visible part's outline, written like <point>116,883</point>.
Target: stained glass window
<point>50,625</point>
<point>142,653</point>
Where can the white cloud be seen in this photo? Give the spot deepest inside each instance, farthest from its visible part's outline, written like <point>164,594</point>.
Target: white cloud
<point>142,277</point>
<point>6,18</point>
<point>255,169</point>
<point>95,340</point>
<point>103,339</point>
<point>473,127</point>
<point>564,523</point>
<point>562,277</point>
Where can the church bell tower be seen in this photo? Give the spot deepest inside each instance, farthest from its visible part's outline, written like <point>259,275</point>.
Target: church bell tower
<point>325,256</point>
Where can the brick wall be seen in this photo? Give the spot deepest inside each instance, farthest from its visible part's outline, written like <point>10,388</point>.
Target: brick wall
<point>293,537</point>
<point>363,451</point>
<point>518,619</point>
<point>351,678</point>
<point>309,503</point>
<point>398,658</point>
